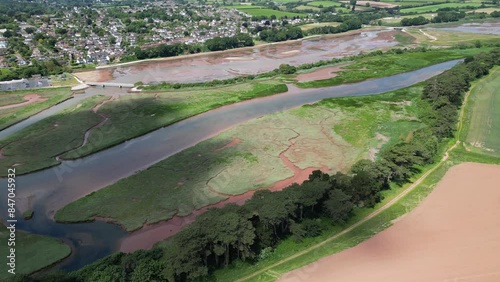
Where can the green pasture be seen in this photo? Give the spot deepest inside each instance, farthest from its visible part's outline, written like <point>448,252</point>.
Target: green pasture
<point>136,115</point>
<point>334,132</point>
<point>396,21</point>
<point>415,2</point>
<point>325,4</point>
<point>36,146</point>
<point>483,119</point>
<point>486,10</point>
<point>434,8</point>
<point>11,116</point>
<point>33,252</point>
<point>258,11</point>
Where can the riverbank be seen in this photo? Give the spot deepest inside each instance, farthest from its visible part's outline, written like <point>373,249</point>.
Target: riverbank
<point>251,60</point>
<point>236,50</point>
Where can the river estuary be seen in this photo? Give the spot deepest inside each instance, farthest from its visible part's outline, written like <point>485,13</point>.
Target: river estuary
<point>49,190</point>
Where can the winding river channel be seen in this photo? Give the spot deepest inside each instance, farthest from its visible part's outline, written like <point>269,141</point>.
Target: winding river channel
<point>49,190</point>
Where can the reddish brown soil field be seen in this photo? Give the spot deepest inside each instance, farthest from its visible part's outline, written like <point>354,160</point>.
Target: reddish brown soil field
<point>454,235</point>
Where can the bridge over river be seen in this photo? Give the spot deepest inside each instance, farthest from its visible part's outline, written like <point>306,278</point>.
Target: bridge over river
<point>110,84</point>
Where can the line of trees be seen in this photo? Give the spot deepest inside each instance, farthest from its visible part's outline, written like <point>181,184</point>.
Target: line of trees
<point>281,34</point>
<point>171,50</point>
<point>448,16</point>
<point>420,20</point>
<point>249,232</point>
<point>350,23</point>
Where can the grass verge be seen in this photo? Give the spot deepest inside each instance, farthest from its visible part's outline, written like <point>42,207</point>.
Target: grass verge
<point>11,116</point>
<point>390,64</point>
<point>334,240</point>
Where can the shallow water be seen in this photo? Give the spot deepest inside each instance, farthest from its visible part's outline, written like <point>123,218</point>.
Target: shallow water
<point>51,189</point>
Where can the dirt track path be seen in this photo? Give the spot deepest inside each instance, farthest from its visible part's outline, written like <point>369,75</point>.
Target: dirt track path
<point>379,210</point>
<point>432,38</point>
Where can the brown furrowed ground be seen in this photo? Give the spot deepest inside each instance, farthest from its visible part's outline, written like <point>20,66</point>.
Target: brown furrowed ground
<point>453,235</point>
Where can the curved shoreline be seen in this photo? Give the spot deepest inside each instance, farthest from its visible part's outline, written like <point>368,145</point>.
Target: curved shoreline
<point>56,187</point>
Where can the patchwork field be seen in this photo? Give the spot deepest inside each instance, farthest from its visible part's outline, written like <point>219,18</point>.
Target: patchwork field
<point>432,237</point>
<point>45,99</point>
<point>484,117</point>
<point>258,11</point>
<point>33,252</point>
<point>262,153</point>
<point>434,8</point>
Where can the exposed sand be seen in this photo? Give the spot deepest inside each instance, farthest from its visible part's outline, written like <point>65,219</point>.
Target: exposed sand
<point>453,235</point>
<point>30,99</point>
<point>322,73</point>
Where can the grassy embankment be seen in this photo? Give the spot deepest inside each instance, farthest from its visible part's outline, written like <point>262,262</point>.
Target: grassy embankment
<point>35,147</point>
<point>290,255</point>
<point>335,133</point>
<point>11,116</point>
<point>389,64</point>
<point>33,252</point>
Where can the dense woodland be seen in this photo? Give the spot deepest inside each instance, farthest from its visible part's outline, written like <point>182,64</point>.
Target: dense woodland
<point>219,237</point>
<point>170,50</point>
